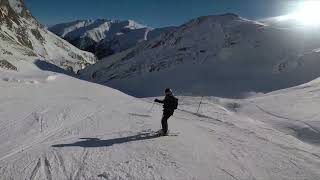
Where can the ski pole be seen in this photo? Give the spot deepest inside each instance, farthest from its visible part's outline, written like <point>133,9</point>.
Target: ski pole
<point>151,107</point>
<point>199,105</point>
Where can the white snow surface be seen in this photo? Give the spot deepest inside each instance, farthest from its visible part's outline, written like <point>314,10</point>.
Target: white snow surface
<point>56,127</point>
<point>223,55</point>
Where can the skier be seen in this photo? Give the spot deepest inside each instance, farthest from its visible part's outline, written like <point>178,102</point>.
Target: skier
<point>170,103</point>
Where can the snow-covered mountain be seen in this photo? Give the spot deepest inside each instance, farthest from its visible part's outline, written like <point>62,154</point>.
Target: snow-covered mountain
<point>23,38</point>
<point>223,55</point>
<point>105,37</point>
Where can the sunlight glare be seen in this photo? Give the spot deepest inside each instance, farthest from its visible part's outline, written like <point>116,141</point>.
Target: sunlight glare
<point>308,14</point>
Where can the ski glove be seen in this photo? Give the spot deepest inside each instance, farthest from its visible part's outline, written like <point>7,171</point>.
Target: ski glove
<point>157,100</point>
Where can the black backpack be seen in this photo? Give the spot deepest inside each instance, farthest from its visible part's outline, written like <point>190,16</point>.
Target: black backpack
<point>170,103</point>
<point>175,103</point>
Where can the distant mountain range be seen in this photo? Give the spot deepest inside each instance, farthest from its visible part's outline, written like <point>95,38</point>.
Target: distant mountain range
<point>106,37</point>
<point>223,55</point>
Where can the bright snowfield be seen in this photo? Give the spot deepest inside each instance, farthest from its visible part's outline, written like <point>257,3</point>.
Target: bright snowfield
<point>222,55</point>
<point>56,127</point>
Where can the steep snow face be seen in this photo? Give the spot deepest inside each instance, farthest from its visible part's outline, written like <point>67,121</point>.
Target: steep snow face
<point>105,37</point>
<point>23,38</point>
<point>214,55</point>
<point>56,127</point>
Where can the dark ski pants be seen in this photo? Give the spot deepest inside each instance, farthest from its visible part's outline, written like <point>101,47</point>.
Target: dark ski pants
<point>164,121</point>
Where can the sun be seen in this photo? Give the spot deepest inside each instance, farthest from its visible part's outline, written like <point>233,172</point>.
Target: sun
<point>307,14</point>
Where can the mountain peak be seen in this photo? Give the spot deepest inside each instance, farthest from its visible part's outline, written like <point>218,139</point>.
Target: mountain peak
<point>221,18</point>
<point>231,15</point>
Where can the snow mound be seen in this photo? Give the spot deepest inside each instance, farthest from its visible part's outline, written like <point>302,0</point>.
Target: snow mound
<point>53,77</point>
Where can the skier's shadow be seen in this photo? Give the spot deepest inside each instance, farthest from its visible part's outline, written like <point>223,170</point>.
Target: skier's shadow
<point>140,115</point>
<point>96,142</point>
<point>47,66</point>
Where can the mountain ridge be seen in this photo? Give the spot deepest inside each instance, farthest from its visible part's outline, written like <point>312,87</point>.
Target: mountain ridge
<point>105,37</point>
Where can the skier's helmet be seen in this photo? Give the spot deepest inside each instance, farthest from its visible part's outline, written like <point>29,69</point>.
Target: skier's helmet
<point>168,91</point>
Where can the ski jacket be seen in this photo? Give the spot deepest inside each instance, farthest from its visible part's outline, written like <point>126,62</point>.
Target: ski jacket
<point>170,103</point>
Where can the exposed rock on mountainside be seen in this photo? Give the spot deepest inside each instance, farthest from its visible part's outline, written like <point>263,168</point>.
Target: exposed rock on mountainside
<point>6,65</point>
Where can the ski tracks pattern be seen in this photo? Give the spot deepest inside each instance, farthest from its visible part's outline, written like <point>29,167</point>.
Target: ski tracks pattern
<point>35,170</point>
<point>79,172</point>
<point>61,164</point>
<point>43,168</point>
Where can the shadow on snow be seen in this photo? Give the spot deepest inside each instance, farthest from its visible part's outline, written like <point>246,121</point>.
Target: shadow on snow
<point>47,66</point>
<point>96,142</point>
<point>139,115</point>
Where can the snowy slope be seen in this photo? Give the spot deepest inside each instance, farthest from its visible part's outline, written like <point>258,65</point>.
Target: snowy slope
<point>105,37</point>
<point>57,127</point>
<point>222,55</point>
<point>298,117</point>
<point>23,38</point>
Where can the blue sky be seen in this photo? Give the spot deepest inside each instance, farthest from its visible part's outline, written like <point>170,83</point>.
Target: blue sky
<point>155,13</point>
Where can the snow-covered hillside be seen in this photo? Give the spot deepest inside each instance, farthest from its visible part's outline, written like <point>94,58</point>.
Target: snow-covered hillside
<point>23,38</point>
<point>105,37</point>
<point>56,127</point>
<point>222,55</point>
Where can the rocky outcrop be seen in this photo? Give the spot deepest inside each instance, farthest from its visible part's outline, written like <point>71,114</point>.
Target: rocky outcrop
<point>8,66</point>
